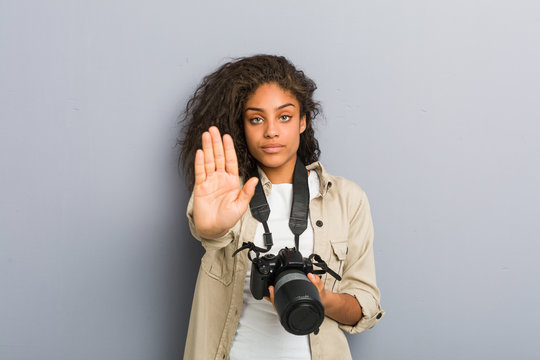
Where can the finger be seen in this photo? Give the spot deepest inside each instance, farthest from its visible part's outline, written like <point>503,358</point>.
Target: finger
<point>247,192</point>
<point>209,164</point>
<point>200,173</point>
<point>217,145</point>
<point>316,281</point>
<point>271,291</point>
<point>231,162</point>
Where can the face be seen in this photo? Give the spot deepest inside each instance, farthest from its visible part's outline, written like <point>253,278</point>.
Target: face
<point>273,126</point>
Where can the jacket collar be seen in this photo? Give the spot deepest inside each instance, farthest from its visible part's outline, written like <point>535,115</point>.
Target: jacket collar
<point>325,179</point>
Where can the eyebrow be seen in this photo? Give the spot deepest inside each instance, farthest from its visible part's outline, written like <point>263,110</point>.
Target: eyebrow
<point>262,110</point>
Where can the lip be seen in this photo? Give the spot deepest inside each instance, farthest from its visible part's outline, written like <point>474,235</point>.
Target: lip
<point>272,148</point>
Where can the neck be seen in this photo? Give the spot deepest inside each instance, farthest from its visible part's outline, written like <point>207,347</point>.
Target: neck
<point>282,175</point>
<point>278,177</point>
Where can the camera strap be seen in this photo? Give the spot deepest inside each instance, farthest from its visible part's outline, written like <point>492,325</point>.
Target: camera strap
<point>298,219</point>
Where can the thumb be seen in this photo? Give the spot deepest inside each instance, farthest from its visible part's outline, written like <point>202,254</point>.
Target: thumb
<point>247,191</point>
<point>315,280</point>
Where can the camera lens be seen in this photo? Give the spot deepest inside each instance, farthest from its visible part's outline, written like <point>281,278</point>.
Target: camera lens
<point>297,303</point>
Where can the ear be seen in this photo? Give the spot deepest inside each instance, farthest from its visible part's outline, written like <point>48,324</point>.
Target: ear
<point>302,124</point>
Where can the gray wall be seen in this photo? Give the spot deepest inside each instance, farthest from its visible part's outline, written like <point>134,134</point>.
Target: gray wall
<point>432,107</point>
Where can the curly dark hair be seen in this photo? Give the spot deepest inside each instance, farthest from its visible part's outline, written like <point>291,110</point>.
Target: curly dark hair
<point>220,99</point>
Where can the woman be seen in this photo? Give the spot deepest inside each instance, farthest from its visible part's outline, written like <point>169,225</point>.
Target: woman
<point>265,108</point>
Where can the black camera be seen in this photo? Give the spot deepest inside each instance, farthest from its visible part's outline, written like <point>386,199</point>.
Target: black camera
<point>296,299</point>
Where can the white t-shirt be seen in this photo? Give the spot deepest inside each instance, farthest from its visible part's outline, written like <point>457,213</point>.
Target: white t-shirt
<point>259,334</point>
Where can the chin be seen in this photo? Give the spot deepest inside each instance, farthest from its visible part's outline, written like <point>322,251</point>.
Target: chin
<point>273,162</point>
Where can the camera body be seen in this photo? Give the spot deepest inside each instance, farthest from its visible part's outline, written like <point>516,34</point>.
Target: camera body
<point>265,269</point>
<point>296,299</point>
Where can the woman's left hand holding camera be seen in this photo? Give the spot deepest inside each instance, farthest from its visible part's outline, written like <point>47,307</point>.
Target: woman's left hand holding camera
<point>343,308</point>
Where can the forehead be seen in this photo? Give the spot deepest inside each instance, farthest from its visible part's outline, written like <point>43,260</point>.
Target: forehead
<point>270,95</point>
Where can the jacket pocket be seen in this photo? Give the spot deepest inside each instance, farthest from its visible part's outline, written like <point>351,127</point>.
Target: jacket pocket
<point>337,262</point>
<point>219,264</point>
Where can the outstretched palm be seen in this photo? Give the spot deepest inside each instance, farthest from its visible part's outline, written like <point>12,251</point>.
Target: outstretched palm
<point>218,200</point>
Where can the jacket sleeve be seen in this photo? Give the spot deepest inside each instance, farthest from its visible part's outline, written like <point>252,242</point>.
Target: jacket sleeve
<point>218,243</point>
<point>359,272</point>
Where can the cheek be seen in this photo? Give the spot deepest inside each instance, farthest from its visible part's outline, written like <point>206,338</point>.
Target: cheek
<point>250,137</point>
<point>295,137</point>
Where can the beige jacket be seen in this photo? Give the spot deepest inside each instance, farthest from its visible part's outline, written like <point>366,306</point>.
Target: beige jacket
<point>343,237</point>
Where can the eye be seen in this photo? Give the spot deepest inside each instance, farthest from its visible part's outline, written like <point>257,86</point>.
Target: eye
<point>285,118</point>
<point>256,120</point>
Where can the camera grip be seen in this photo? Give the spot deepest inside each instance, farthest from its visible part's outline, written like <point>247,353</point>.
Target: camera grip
<point>258,282</point>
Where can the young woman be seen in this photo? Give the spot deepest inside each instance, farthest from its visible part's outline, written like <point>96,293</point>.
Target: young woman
<point>264,107</point>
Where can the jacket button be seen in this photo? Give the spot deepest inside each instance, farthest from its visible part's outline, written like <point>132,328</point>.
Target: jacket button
<point>319,223</point>
<point>379,315</point>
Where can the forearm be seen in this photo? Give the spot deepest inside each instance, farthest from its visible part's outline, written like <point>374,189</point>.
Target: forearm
<point>343,308</point>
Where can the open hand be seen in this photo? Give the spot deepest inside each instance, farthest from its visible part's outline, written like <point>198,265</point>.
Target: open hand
<point>218,199</point>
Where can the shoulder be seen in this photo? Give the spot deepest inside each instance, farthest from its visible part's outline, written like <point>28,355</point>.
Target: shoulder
<point>337,187</point>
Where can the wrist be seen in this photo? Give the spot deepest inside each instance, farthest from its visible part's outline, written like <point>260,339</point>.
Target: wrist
<point>211,235</point>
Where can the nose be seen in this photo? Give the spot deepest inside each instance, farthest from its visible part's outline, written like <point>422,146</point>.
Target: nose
<point>271,129</point>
